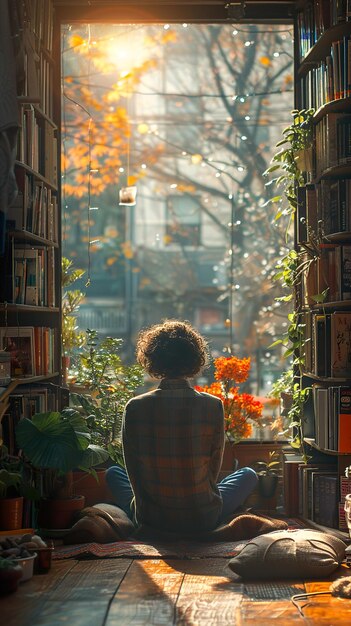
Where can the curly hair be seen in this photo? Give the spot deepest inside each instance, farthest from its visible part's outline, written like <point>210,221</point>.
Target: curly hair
<point>171,349</point>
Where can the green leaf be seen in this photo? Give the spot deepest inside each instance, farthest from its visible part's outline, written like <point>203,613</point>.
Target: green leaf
<point>271,168</point>
<point>276,343</point>
<point>48,441</point>
<point>320,297</point>
<point>93,455</point>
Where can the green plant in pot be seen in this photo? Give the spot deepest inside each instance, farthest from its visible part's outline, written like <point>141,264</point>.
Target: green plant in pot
<point>13,488</point>
<point>56,443</point>
<point>107,385</point>
<point>267,472</point>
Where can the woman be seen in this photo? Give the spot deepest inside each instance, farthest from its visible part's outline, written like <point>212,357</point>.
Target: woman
<point>173,442</point>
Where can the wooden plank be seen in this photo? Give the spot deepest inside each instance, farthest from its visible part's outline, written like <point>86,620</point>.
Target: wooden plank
<point>73,592</point>
<point>324,610</point>
<point>129,609</point>
<point>176,592</point>
<point>152,577</point>
<point>92,580</point>
<point>210,594</point>
<point>215,609</point>
<point>147,595</point>
<point>276,612</point>
<point>31,594</point>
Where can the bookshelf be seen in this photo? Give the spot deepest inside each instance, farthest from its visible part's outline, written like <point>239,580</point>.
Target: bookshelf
<point>323,224</point>
<point>30,308</point>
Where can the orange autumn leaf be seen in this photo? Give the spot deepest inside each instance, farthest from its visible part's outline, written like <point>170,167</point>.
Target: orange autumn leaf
<point>76,40</point>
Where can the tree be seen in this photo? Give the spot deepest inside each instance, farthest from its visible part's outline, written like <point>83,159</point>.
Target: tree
<point>194,123</point>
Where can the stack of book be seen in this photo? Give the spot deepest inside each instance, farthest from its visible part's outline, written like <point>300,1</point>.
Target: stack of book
<point>332,411</point>
<point>328,343</point>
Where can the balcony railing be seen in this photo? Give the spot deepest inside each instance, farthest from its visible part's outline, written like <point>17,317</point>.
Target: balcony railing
<point>105,316</point>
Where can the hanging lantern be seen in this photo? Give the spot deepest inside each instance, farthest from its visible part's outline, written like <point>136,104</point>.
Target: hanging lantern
<point>127,195</point>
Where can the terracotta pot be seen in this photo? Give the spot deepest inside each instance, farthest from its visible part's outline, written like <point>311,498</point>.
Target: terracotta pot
<point>94,491</point>
<point>9,578</point>
<point>11,512</point>
<point>59,513</point>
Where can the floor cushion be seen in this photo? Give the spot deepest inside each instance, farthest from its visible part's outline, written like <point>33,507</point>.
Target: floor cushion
<point>289,554</point>
<point>106,523</point>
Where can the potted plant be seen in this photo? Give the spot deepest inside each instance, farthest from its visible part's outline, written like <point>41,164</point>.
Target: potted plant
<point>105,385</point>
<point>11,499</point>
<point>56,443</point>
<point>10,575</point>
<point>267,474</point>
<point>15,488</point>
<point>101,387</point>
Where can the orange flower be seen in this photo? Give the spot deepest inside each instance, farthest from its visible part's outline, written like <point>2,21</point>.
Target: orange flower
<point>232,368</point>
<point>240,409</point>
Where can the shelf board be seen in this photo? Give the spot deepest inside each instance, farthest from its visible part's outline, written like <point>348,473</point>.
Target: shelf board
<point>338,237</point>
<point>326,379</point>
<point>321,48</point>
<point>11,306</point>
<point>26,235</point>
<point>331,305</point>
<point>34,102</point>
<point>36,175</point>
<point>5,392</point>
<point>312,443</point>
<point>341,105</point>
<point>343,170</point>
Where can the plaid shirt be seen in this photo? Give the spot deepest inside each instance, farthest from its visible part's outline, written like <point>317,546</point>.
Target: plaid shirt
<point>173,441</point>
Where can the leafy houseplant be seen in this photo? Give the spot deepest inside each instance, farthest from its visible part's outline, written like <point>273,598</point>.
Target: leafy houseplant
<point>267,474</point>
<point>11,496</point>
<point>107,386</point>
<point>290,160</point>
<point>55,443</point>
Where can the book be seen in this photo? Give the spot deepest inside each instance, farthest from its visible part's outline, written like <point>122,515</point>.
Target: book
<point>345,264</point>
<point>26,275</point>
<point>319,343</point>
<point>344,419</point>
<point>326,494</point>
<point>340,344</point>
<point>321,416</point>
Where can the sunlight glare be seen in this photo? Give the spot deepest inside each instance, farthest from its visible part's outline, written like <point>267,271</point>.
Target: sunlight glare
<point>125,53</point>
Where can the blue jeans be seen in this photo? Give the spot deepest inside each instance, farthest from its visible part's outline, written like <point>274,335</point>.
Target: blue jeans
<point>234,489</point>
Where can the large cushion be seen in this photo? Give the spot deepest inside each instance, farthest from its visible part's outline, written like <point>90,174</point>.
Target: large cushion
<point>100,523</point>
<point>289,554</point>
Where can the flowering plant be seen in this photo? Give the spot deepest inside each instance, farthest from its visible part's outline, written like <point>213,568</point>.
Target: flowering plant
<point>240,409</point>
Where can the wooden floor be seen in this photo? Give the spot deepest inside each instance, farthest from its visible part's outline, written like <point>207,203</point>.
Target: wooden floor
<point>111,592</point>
